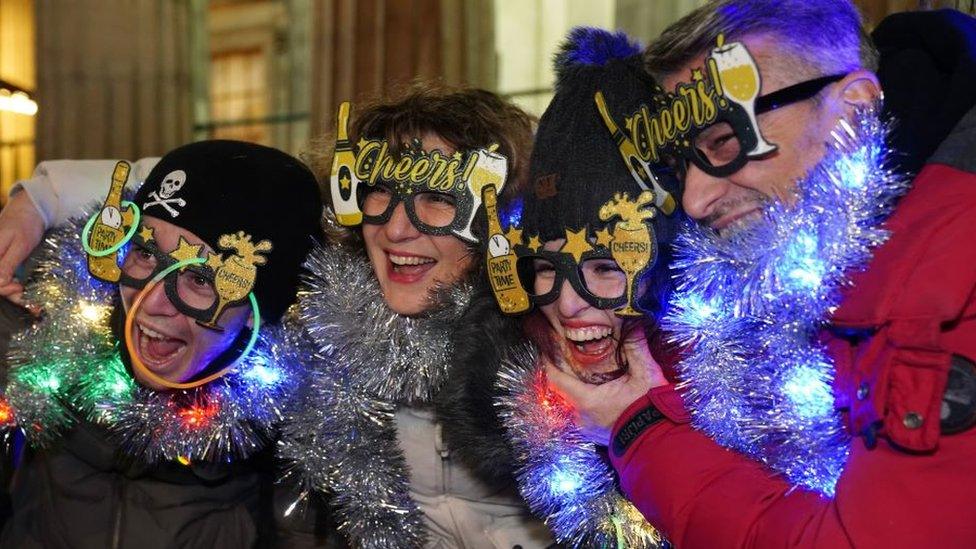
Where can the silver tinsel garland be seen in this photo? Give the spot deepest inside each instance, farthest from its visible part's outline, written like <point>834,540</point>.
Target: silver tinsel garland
<point>341,438</point>
<point>68,367</point>
<point>750,306</point>
<point>560,474</point>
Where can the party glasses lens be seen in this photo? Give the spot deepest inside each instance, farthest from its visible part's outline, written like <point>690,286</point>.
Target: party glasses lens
<point>433,209</point>
<point>601,277</point>
<point>718,144</point>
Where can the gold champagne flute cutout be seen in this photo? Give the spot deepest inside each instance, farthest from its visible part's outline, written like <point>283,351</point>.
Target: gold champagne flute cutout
<point>632,245</point>
<point>734,69</point>
<point>234,277</point>
<point>490,168</point>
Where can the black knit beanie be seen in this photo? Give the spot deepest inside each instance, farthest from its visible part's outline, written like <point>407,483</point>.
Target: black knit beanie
<point>212,188</point>
<point>576,165</point>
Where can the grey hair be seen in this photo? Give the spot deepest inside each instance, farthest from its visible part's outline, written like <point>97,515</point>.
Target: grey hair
<point>821,36</point>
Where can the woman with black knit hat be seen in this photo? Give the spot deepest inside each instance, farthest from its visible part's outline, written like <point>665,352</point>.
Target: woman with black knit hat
<point>151,387</point>
<point>591,252</point>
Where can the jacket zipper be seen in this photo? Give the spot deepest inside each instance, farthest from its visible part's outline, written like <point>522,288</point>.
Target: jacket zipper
<point>119,490</point>
<point>444,454</point>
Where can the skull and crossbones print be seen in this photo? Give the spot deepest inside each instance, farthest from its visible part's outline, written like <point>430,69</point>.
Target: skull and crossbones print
<point>171,184</point>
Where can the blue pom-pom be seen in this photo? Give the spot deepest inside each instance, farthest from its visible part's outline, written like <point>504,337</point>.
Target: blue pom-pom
<point>593,46</point>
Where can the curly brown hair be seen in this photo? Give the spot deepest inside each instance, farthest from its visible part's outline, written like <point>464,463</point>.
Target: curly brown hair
<point>466,118</point>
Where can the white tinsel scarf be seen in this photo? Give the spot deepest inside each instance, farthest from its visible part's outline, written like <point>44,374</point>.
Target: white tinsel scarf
<point>341,439</point>
<point>749,307</point>
<point>68,367</point>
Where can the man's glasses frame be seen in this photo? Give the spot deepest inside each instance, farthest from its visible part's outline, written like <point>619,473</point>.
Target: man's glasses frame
<point>795,93</point>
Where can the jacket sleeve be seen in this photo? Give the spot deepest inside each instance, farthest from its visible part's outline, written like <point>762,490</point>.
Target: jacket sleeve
<point>703,495</point>
<point>59,189</point>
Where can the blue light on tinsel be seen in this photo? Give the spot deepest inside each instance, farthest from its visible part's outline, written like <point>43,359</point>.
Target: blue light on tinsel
<point>263,374</point>
<point>809,391</point>
<point>756,378</point>
<point>564,481</point>
<point>695,309</point>
<point>804,268</point>
<point>511,216</point>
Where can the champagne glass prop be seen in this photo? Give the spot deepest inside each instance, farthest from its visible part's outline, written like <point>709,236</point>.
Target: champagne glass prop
<point>734,69</point>
<point>633,244</point>
<point>235,276</point>
<point>490,168</point>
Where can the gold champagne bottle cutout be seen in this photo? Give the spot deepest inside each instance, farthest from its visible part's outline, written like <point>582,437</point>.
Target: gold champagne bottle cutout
<point>639,169</point>
<point>108,228</point>
<point>343,180</point>
<point>500,259</point>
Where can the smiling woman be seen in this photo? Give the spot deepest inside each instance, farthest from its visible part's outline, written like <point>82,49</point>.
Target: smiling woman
<point>384,309</point>
<point>593,257</point>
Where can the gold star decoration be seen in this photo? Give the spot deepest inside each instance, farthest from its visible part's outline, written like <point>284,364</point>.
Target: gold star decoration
<point>603,237</point>
<point>514,236</point>
<point>146,233</point>
<point>534,244</point>
<point>696,75</point>
<point>345,182</point>
<point>185,251</point>
<point>128,217</point>
<point>214,261</point>
<point>576,244</point>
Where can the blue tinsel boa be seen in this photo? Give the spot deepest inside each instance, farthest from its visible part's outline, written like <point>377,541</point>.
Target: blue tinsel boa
<point>750,306</point>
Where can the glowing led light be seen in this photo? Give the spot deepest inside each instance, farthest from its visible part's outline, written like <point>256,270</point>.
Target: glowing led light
<point>809,392</point>
<point>564,482</point>
<point>263,374</point>
<point>119,386</point>
<point>6,413</point>
<point>512,215</point>
<point>183,460</point>
<point>198,417</point>
<point>802,264</point>
<point>855,169</point>
<point>696,310</point>
<point>90,312</point>
<point>51,383</point>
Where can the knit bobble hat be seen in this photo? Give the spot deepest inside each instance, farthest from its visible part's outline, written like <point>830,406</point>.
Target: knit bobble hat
<point>576,166</point>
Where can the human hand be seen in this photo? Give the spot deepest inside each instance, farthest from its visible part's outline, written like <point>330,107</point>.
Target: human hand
<point>597,407</point>
<point>21,230</point>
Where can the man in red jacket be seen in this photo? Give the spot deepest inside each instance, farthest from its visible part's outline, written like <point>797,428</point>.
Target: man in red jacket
<point>756,460</point>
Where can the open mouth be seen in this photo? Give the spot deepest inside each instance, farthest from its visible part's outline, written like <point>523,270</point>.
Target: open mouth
<point>591,344</point>
<point>157,349</point>
<point>408,268</point>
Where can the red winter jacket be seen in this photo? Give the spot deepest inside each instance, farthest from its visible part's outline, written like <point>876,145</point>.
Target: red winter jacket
<point>913,308</point>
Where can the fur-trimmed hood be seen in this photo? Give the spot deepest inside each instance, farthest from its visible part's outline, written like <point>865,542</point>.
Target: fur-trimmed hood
<point>464,406</point>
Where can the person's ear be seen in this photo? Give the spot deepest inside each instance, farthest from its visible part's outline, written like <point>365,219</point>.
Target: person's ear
<point>859,88</point>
